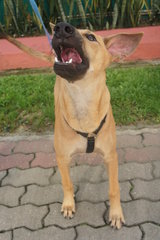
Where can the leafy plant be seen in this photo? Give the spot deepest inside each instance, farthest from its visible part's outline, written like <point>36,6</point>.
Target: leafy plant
<point>62,11</point>
<point>82,12</point>
<point>92,14</point>
<point>115,14</point>
<point>131,12</point>
<point>18,19</point>
<point>155,10</point>
<point>98,13</point>
<point>10,5</point>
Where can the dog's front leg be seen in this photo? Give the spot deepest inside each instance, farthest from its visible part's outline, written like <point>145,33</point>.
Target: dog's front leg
<point>115,214</point>
<point>68,206</point>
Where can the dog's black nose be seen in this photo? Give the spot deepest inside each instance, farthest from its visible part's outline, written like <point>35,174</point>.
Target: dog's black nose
<point>64,30</point>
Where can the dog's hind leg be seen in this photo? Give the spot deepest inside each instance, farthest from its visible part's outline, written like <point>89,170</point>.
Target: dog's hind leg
<point>68,206</point>
<point>115,214</point>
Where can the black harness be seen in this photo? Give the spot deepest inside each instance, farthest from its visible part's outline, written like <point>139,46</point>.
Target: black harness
<point>91,136</point>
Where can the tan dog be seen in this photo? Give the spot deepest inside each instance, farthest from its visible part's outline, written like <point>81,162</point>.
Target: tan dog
<point>82,105</point>
<point>83,113</point>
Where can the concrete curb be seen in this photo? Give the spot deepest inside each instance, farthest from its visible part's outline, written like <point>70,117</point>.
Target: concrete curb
<point>50,135</point>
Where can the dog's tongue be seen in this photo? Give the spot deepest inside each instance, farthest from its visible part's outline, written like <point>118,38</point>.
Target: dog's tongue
<point>70,53</point>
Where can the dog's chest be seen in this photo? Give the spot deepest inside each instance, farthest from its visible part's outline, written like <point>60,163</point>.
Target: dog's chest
<point>80,101</point>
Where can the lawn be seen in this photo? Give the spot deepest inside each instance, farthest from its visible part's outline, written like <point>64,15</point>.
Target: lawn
<point>26,101</point>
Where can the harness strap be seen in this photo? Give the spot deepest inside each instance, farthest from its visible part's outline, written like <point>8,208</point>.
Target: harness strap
<point>90,144</point>
<point>91,136</point>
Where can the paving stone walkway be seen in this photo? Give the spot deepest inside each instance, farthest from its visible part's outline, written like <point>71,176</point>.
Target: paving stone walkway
<point>31,192</point>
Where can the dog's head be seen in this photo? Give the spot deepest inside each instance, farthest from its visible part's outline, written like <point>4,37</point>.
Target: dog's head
<point>79,52</point>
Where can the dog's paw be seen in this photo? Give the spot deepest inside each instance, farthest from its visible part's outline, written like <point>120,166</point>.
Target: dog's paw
<point>116,217</point>
<point>68,208</point>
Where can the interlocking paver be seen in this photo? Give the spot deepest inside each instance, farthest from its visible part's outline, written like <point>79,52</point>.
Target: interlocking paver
<point>41,145</point>
<point>48,233</point>
<point>129,171</point>
<point>17,177</point>
<point>140,211</point>
<point>156,170</point>
<point>146,189</point>
<point>84,173</point>
<point>89,213</point>
<point>43,195</point>
<point>91,159</point>
<point>94,158</point>
<point>6,147</point>
<point>5,236</point>
<point>2,174</point>
<point>121,155</point>
<point>9,196</point>
<point>94,174</point>
<point>27,215</point>
<point>25,209</point>
<point>99,192</point>
<point>133,170</point>
<point>126,140</point>
<point>89,233</point>
<point>15,160</point>
<point>146,154</point>
<point>151,139</point>
<point>152,231</point>
<point>45,160</point>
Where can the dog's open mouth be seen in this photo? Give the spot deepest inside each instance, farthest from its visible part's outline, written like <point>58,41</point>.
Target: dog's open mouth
<point>70,61</point>
<point>68,56</point>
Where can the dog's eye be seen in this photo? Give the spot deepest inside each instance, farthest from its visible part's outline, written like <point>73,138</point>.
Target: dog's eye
<point>91,37</point>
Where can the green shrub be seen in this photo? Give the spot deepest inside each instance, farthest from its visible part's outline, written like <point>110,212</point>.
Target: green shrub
<point>19,18</point>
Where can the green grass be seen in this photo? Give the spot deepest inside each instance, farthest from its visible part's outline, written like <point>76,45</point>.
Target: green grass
<point>135,94</point>
<point>27,100</point>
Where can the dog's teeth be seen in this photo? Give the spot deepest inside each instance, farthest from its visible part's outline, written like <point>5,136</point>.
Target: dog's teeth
<point>56,59</point>
<point>70,60</point>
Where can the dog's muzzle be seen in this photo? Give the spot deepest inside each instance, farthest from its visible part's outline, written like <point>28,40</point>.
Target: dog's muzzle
<point>70,60</point>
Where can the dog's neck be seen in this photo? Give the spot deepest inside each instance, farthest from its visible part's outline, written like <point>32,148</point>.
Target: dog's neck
<point>85,102</point>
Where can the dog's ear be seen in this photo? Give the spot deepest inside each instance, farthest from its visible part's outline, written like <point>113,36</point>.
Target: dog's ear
<point>122,45</point>
<point>52,27</point>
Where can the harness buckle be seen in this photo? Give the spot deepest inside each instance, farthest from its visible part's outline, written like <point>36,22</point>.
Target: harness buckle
<point>92,135</point>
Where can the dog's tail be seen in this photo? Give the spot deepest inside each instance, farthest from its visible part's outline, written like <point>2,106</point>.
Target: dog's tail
<point>25,48</point>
